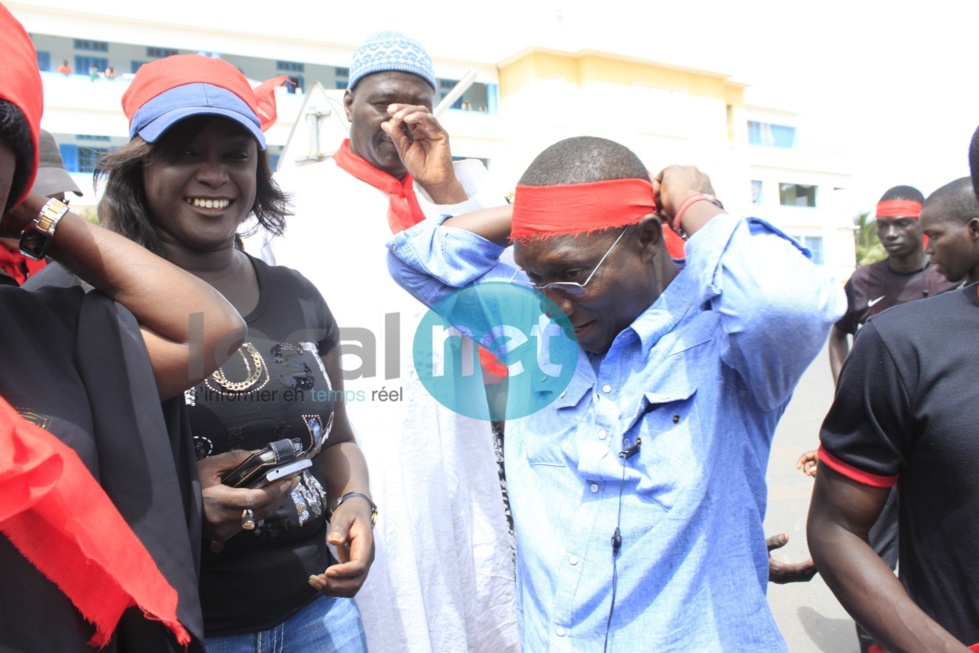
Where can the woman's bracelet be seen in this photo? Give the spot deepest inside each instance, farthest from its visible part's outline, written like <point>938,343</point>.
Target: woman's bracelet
<point>351,495</point>
<point>687,203</point>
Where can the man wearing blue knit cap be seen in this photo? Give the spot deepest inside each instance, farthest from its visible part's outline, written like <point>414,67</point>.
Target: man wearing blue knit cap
<point>443,577</point>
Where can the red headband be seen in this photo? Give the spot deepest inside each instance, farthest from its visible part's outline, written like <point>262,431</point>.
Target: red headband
<point>545,211</point>
<point>158,77</point>
<point>20,82</point>
<point>898,209</point>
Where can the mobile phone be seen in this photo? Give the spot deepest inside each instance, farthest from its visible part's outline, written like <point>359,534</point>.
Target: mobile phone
<point>253,470</point>
<point>288,470</point>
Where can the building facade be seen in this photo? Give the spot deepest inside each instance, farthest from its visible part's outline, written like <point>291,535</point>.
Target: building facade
<point>517,105</point>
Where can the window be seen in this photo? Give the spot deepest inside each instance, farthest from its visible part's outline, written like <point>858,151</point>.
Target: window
<point>755,191</point>
<point>135,65</point>
<point>159,53</point>
<point>94,46</point>
<point>84,64</point>
<point>445,87</point>
<point>91,137</point>
<point>274,155</point>
<point>771,135</point>
<point>341,72</point>
<point>69,156</point>
<point>43,61</point>
<point>88,156</point>
<point>815,246</point>
<point>796,195</point>
<point>290,66</point>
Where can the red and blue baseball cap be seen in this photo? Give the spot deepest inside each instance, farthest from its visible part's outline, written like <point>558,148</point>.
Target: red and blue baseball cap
<point>165,91</point>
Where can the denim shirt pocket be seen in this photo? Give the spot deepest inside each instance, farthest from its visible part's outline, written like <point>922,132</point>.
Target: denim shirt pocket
<point>667,463</point>
<point>554,427</point>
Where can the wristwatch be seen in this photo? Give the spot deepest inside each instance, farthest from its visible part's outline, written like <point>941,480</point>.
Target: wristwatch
<point>36,239</point>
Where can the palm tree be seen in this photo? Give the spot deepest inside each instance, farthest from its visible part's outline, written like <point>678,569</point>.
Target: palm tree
<point>869,249</point>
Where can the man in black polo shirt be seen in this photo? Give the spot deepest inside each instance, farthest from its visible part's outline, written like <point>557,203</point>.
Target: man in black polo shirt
<point>905,275</point>
<point>905,414</point>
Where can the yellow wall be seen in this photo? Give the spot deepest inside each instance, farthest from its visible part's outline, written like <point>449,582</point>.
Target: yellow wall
<point>666,116</point>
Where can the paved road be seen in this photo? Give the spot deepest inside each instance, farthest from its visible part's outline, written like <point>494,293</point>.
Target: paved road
<point>808,614</point>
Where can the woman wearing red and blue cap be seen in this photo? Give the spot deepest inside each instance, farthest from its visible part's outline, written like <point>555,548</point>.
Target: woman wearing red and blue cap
<point>196,167</point>
<point>98,520</point>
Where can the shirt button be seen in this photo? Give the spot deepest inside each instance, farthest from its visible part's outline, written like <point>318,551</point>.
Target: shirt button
<point>594,488</point>
<point>602,435</point>
<point>394,248</point>
<point>606,388</point>
<point>563,392</point>
<point>676,419</point>
<point>573,560</point>
<point>560,631</point>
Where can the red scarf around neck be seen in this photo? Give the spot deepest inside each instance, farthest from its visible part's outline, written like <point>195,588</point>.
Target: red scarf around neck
<point>403,208</point>
<point>404,212</point>
<point>17,265</point>
<point>59,517</point>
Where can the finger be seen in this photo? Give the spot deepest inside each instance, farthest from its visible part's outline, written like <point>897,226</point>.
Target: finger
<point>260,500</point>
<point>807,457</point>
<point>345,570</point>
<point>212,468</point>
<point>396,129</point>
<point>338,585</point>
<point>337,535</point>
<point>405,109</point>
<point>343,552</point>
<point>777,541</point>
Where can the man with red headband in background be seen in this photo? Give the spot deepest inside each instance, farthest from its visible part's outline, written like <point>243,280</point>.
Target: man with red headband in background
<point>905,275</point>
<point>903,421</point>
<point>442,578</point>
<point>638,494</point>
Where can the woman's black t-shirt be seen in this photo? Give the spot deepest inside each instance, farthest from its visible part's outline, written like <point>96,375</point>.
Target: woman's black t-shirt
<point>275,386</point>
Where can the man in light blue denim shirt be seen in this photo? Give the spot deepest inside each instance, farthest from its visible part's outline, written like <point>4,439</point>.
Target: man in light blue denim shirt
<point>639,494</point>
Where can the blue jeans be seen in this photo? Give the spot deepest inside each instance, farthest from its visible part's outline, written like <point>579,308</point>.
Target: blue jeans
<point>327,625</point>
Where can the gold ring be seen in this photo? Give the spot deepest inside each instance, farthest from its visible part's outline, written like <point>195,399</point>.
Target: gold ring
<point>247,519</point>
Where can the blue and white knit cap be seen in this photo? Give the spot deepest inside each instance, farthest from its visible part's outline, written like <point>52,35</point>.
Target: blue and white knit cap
<point>387,51</point>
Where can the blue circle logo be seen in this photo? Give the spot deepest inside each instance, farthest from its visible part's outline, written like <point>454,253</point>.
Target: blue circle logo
<point>464,341</point>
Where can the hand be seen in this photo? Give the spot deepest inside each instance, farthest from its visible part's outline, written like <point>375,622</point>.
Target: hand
<point>675,183</point>
<point>808,463</point>
<point>353,536</point>
<point>223,505</point>
<point>425,152</point>
<point>787,572</point>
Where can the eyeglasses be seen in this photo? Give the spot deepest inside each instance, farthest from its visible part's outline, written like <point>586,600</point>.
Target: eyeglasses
<point>569,288</point>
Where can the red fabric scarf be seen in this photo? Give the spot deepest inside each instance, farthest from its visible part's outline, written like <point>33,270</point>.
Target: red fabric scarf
<point>404,212</point>
<point>403,208</point>
<point>898,209</point>
<point>58,516</point>
<point>569,209</point>
<point>17,265</point>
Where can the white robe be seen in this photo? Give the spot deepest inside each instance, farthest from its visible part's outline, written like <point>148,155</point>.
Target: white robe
<point>443,577</point>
